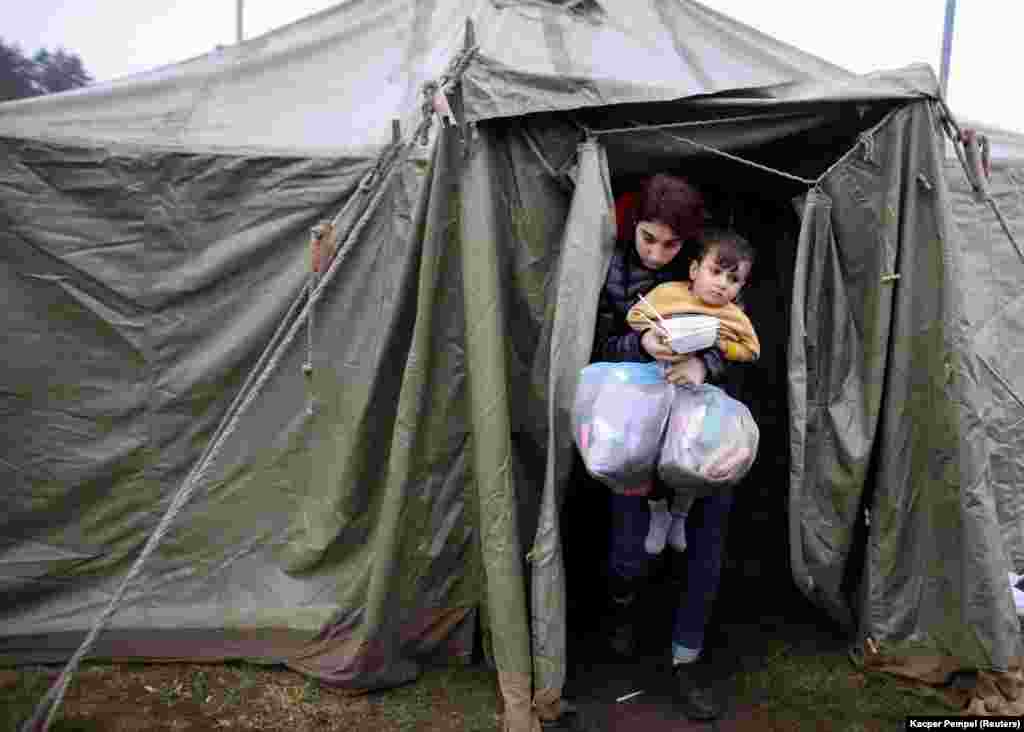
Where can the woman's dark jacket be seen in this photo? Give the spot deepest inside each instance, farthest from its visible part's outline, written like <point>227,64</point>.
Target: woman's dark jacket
<point>628,278</point>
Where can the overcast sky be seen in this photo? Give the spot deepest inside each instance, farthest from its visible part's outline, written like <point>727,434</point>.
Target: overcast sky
<point>120,37</point>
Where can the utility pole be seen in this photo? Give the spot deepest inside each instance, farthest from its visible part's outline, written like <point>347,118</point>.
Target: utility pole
<point>947,46</point>
<point>238,21</point>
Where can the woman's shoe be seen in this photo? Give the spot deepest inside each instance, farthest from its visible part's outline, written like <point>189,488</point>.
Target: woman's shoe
<point>694,693</point>
<point>622,637</point>
<point>621,628</point>
<point>677,532</point>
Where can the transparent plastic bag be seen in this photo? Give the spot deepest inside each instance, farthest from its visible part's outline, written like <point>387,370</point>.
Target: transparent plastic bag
<point>710,442</point>
<point>619,417</point>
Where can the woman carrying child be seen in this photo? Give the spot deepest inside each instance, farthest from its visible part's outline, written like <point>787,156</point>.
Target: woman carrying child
<point>717,275</point>
<point>653,227</point>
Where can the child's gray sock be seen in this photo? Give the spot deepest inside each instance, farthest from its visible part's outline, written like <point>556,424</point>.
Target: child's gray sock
<point>677,531</point>
<point>657,533</point>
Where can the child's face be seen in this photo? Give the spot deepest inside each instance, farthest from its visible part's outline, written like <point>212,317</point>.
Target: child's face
<point>714,285</point>
<point>656,243</point>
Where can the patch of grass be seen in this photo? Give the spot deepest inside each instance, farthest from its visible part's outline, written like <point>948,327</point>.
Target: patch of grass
<point>171,692</point>
<point>21,694</point>
<point>472,690</point>
<point>409,704</point>
<point>200,687</point>
<point>311,691</point>
<point>804,685</point>
<point>245,674</point>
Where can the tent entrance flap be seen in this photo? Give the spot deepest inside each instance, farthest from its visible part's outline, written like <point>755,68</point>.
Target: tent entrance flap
<point>586,249</point>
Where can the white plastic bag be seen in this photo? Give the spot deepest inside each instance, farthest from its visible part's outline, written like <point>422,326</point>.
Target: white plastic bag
<point>619,417</point>
<point>710,441</point>
<point>1018,595</point>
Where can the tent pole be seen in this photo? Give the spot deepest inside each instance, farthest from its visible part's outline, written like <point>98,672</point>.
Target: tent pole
<point>238,20</point>
<point>947,45</point>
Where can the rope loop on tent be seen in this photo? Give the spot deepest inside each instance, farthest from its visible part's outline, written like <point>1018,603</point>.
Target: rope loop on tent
<point>321,246</point>
<point>867,140</point>
<point>960,141</point>
<point>866,144</point>
<point>426,113</point>
<point>307,366</point>
<point>435,93</point>
<point>46,710</point>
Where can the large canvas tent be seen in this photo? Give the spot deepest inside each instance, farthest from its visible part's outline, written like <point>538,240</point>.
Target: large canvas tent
<point>375,467</point>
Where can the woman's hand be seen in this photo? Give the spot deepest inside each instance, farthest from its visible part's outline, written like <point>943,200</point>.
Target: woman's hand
<point>654,342</point>
<point>690,370</point>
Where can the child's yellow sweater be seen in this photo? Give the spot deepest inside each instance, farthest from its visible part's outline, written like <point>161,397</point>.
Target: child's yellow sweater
<point>736,337</point>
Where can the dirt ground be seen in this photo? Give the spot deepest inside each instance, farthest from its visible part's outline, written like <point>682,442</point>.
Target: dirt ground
<point>805,685</point>
<point>193,698</point>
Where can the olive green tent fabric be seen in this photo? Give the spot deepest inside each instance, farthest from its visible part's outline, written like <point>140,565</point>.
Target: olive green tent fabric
<point>389,512</point>
<point>995,268</point>
<point>585,251</point>
<point>888,403</point>
<point>140,290</point>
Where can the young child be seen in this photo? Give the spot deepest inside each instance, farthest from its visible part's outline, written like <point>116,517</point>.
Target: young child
<point>717,275</point>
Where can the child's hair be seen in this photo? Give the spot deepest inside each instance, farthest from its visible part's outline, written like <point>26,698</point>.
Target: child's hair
<point>730,247</point>
<point>672,201</point>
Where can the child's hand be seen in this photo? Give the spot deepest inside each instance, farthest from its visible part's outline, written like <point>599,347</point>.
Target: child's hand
<point>690,370</point>
<point>655,343</point>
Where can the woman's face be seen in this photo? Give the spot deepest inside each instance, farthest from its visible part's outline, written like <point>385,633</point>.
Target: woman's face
<point>656,243</point>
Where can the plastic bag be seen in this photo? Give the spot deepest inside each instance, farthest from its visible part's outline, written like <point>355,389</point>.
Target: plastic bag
<point>710,442</point>
<point>619,418</point>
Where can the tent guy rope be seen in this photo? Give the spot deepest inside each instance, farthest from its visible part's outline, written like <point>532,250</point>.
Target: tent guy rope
<point>638,127</point>
<point>956,135</point>
<point>730,156</point>
<point>738,159</point>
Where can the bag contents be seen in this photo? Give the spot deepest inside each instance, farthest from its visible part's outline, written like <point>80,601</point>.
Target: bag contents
<point>619,417</point>
<point>710,442</point>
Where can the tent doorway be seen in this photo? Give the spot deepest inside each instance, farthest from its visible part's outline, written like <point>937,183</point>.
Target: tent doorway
<point>756,562</point>
<point>763,206</point>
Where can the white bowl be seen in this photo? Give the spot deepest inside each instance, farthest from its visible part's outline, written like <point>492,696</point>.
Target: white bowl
<point>689,333</point>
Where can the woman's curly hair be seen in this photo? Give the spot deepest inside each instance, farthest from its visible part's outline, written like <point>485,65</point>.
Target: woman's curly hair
<point>670,200</point>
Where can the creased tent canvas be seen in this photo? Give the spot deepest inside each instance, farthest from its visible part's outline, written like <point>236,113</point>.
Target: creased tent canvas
<point>357,516</point>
